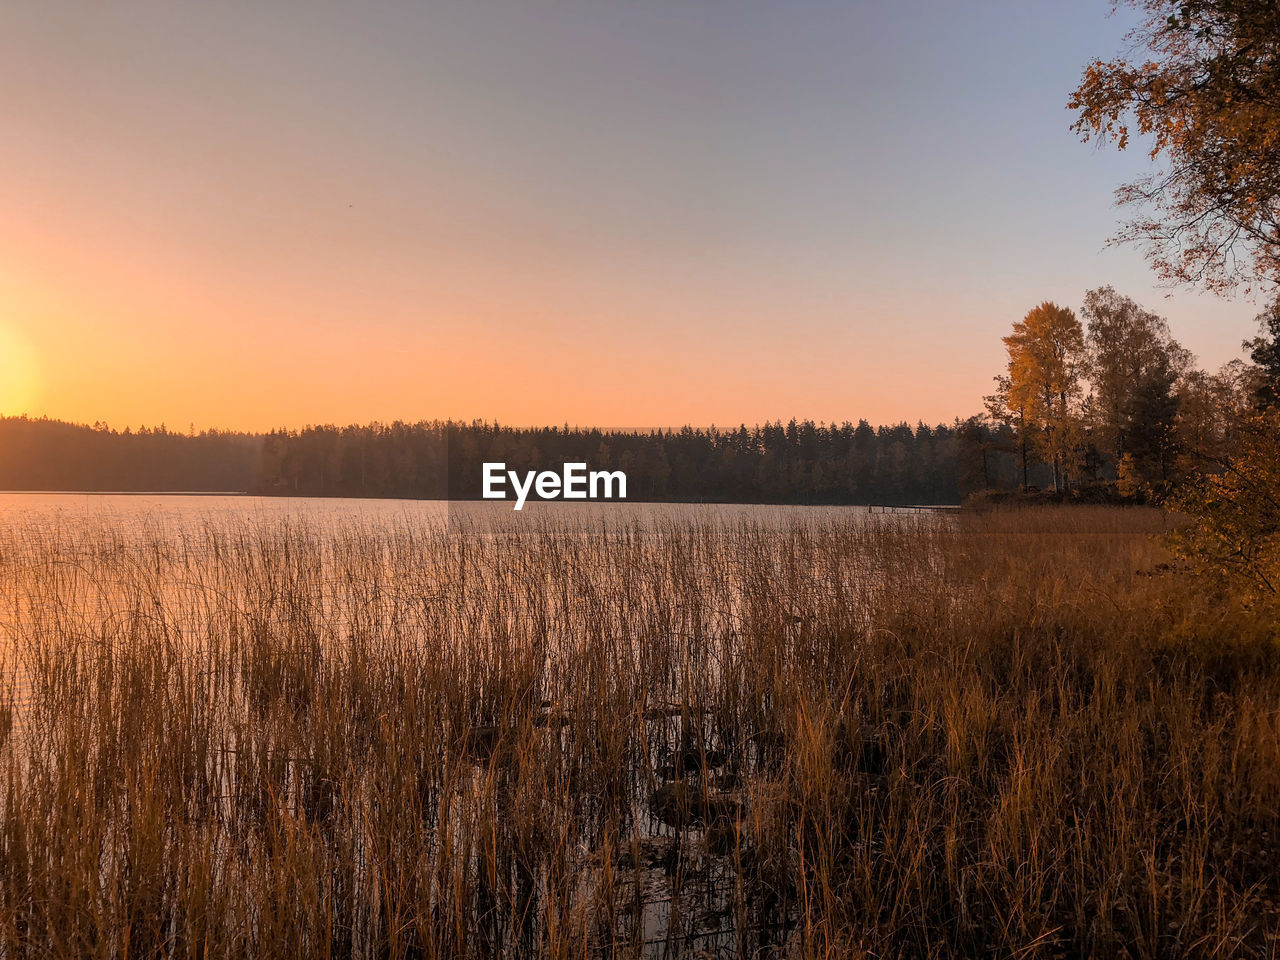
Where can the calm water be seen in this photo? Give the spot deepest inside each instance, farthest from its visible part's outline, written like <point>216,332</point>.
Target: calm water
<point>133,510</point>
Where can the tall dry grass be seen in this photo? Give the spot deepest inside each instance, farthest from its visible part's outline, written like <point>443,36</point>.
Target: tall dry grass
<point>1019,734</point>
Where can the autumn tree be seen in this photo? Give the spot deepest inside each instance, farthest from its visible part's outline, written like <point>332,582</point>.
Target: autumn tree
<point>1134,366</point>
<point>1205,97</point>
<point>1264,351</point>
<point>1046,353</point>
<point>1206,402</point>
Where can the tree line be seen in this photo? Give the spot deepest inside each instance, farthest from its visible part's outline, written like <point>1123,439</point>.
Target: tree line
<point>44,454</point>
<point>1116,399</point>
<point>799,462</point>
<point>796,462</point>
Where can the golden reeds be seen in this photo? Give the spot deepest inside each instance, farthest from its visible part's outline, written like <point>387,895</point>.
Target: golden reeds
<point>1015,734</point>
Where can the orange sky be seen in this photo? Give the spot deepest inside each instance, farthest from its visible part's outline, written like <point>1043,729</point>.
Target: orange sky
<point>624,215</point>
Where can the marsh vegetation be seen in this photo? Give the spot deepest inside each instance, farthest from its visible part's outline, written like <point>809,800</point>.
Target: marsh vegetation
<point>1019,733</point>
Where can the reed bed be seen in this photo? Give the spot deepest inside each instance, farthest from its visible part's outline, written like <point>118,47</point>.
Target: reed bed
<point>1017,734</point>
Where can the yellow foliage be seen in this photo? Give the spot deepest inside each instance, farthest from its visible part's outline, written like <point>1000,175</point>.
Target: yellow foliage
<point>1129,478</point>
<point>1045,355</point>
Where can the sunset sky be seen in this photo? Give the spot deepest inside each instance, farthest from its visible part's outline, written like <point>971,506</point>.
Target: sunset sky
<point>633,213</point>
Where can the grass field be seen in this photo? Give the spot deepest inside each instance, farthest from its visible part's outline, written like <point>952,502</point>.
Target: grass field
<point>1011,734</point>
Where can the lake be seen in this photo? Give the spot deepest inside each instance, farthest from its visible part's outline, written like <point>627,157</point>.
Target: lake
<point>130,510</point>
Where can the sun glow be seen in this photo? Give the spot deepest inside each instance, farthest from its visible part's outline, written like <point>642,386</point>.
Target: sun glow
<point>19,374</point>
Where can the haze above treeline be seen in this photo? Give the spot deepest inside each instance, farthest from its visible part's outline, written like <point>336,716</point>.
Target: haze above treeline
<point>1105,402</point>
